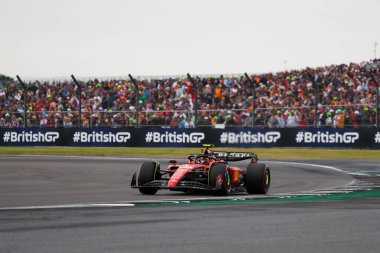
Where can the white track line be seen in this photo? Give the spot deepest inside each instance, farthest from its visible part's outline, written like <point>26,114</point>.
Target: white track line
<point>312,165</point>
<point>83,205</point>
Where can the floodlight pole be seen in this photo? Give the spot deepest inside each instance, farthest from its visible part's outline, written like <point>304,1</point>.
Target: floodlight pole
<point>316,103</point>
<point>137,98</point>
<point>373,76</point>
<point>253,98</point>
<point>377,103</point>
<point>377,99</point>
<point>80,100</point>
<point>374,50</point>
<point>196,98</point>
<point>25,90</point>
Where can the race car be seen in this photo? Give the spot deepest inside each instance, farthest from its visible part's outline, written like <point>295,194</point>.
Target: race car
<point>209,171</point>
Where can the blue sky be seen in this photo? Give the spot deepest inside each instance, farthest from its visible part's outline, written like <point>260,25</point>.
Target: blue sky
<point>55,38</point>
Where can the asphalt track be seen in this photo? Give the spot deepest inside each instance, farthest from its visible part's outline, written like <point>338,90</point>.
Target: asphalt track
<point>70,204</point>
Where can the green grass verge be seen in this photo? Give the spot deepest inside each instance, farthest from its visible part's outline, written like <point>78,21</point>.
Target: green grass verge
<point>175,152</point>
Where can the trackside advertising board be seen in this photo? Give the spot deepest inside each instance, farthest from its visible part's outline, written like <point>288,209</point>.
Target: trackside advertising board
<point>166,137</point>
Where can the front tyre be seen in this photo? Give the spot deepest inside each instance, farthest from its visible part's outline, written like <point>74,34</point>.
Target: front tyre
<point>149,171</point>
<point>257,178</point>
<point>220,179</point>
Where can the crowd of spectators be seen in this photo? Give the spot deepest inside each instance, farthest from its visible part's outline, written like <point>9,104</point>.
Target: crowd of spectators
<point>345,97</point>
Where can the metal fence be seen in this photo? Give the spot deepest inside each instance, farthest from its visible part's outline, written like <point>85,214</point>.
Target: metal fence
<point>280,117</point>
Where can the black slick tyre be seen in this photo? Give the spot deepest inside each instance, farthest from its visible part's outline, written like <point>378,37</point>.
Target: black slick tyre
<point>149,171</point>
<point>257,178</point>
<point>220,171</point>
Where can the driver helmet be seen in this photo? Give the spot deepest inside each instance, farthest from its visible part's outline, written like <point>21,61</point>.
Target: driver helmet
<point>208,151</point>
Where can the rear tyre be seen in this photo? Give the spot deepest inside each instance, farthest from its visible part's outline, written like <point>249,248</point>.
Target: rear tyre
<point>149,171</point>
<point>257,178</point>
<point>220,179</point>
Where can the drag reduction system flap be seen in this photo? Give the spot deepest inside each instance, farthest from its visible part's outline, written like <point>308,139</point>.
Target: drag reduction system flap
<point>234,156</point>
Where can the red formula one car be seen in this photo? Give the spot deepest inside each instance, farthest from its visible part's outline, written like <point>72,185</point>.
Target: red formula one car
<point>208,171</point>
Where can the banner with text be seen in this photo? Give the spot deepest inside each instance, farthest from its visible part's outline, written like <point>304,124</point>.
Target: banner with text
<point>165,137</point>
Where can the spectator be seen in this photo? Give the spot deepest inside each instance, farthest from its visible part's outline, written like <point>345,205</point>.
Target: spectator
<point>293,119</point>
<point>280,119</point>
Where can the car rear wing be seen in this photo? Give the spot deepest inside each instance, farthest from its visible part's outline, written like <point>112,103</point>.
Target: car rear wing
<point>234,156</point>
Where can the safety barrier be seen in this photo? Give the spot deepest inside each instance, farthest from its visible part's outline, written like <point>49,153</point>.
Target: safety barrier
<point>166,137</point>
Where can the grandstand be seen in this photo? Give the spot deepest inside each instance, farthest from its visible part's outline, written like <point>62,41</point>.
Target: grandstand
<point>336,96</point>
